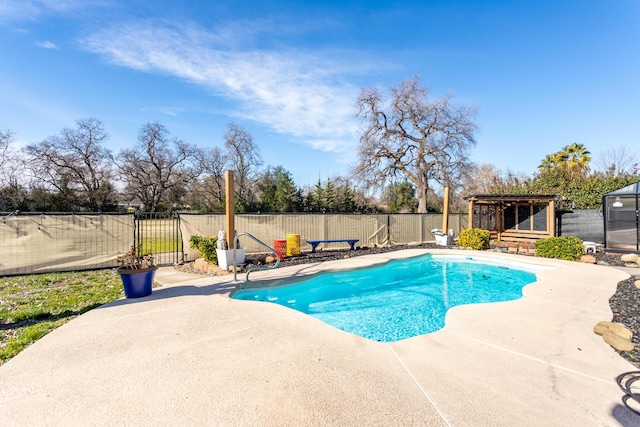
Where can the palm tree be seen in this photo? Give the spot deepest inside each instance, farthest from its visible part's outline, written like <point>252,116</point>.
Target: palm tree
<point>552,161</point>
<point>573,158</point>
<point>577,157</point>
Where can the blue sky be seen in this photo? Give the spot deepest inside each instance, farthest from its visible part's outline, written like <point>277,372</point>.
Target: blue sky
<point>544,74</point>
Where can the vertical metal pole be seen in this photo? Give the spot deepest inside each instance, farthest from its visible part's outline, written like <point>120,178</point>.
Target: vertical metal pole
<point>176,240</point>
<point>136,231</point>
<point>604,219</point>
<point>637,223</point>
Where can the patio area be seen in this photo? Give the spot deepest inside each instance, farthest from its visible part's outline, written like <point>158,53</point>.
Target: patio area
<point>190,355</point>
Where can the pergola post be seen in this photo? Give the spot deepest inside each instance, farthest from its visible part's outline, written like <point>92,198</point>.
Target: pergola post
<point>551,219</point>
<point>230,209</point>
<point>445,211</point>
<point>499,220</point>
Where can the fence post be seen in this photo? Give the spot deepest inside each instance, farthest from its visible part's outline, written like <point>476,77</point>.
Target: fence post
<point>388,229</point>
<point>177,240</point>
<point>137,234</point>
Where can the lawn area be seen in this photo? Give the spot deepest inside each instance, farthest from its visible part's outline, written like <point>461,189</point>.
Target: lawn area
<point>32,306</point>
<point>158,245</point>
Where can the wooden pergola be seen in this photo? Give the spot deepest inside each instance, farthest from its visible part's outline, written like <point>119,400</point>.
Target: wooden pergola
<point>514,217</point>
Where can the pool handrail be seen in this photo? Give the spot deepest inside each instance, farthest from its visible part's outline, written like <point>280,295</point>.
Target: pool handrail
<point>249,270</point>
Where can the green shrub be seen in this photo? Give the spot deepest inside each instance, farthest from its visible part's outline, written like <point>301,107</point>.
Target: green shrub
<point>563,247</point>
<point>474,238</point>
<point>206,247</point>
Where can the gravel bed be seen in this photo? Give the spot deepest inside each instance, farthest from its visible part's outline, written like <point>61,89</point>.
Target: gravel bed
<point>625,303</point>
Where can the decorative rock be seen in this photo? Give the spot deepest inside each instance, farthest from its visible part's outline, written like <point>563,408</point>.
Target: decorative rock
<point>617,329</point>
<point>269,259</point>
<point>617,342</point>
<point>346,256</point>
<point>202,265</point>
<point>632,258</point>
<point>589,259</point>
<point>637,284</point>
<point>414,244</point>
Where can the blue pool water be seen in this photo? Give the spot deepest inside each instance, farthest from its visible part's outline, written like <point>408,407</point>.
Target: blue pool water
<point>399,299</point>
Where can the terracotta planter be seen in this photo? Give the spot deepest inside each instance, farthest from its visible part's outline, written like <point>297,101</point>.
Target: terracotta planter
<point>137,283</point>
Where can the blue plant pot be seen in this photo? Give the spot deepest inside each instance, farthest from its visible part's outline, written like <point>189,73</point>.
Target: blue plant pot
<point>137,283</point>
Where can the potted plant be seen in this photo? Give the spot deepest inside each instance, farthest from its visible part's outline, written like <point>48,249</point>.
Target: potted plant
<point>225,254</point>
<point>214,250</point>
<point>225,257</point>
<point>137,272</point>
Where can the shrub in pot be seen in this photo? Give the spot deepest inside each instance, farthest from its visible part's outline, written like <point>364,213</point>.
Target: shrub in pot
<point>137,272</point>
<point>210,249</point>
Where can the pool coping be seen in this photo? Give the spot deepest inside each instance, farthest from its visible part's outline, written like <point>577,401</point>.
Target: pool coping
<point>189,354</point>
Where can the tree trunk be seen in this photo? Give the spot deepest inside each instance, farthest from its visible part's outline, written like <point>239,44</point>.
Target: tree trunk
<point>422,197</point>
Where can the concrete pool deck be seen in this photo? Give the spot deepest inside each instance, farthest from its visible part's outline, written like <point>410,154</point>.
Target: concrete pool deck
<point>190,355</point>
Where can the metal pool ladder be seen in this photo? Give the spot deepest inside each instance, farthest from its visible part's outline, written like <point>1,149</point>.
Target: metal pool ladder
<point>249,270</point>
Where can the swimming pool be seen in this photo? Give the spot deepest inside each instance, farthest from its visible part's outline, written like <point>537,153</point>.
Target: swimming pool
<point>401,298</point>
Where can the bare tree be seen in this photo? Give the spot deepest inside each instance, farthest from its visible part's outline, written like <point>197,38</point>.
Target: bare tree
<point>12,193</point>
<point>618,160</point>
<point>6,136</point>
<point>157,168</point>
<point>243,157</point>
<point>487,179</point>
<point>11,164</point>
<point>406,134</point>
<point>76,163</point>
<point>210,190</point>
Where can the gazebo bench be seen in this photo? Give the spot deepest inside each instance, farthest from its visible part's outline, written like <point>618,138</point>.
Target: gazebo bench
<point>315,243</point>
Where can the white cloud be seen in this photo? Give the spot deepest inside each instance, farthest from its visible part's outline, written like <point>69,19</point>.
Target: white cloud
<point>295,93</point>
<point>47,44</point>
<point>33,9</point>
<point>11,9</point>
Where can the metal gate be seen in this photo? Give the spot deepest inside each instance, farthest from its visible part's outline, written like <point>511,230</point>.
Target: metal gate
<point>159,233</point>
